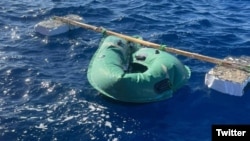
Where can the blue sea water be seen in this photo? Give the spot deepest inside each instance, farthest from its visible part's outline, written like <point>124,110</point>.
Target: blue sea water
<point>45,95</point>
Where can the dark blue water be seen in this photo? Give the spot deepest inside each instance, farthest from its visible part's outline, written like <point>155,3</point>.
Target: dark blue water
<point>45,95</point>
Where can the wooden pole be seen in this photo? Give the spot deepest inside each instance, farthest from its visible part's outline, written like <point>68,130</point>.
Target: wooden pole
<point>157,46</point>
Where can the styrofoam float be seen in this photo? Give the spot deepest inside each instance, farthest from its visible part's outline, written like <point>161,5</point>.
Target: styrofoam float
<point>53,27</point>
<point>229,80</point>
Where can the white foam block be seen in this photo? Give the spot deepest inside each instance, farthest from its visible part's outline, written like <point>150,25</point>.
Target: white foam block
<point>53,27</point>
<point>228,80</point>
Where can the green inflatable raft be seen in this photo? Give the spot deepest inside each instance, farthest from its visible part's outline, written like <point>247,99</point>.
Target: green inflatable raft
<point>128,72</point>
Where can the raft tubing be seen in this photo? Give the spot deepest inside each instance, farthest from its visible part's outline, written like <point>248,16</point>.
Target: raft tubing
<point>128,72</point>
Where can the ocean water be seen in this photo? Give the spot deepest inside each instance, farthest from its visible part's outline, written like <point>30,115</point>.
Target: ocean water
<point>45,95</point>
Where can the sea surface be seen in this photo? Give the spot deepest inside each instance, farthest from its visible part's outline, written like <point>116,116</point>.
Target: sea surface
<point>45,94</point>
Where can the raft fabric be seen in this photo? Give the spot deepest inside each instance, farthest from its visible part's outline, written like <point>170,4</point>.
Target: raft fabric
<point>128,72</point>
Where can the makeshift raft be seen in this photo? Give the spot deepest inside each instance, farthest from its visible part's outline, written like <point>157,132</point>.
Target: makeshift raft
<point>230,75</point>
<point>130,73</point>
